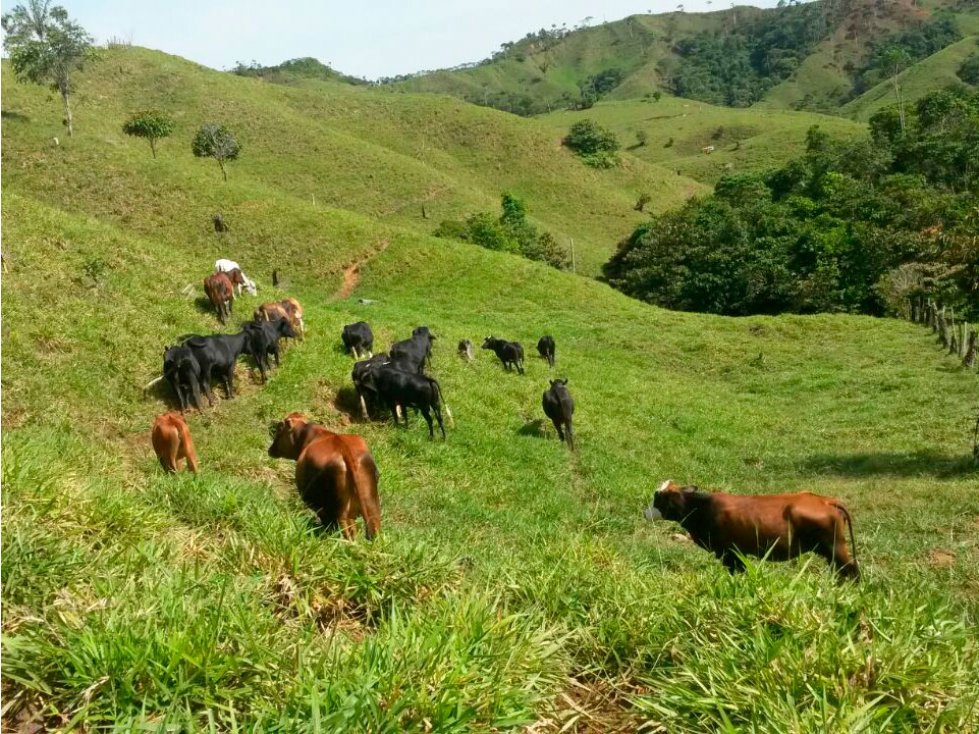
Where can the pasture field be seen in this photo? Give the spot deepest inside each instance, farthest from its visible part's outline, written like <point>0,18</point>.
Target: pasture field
<point>515,586</point>
<point>678,130</point>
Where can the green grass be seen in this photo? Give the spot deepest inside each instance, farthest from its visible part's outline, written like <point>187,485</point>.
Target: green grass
<point>514,586</point>
<point>744,139</point>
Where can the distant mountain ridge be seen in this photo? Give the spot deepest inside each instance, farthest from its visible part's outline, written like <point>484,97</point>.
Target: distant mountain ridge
<point>817,56</point>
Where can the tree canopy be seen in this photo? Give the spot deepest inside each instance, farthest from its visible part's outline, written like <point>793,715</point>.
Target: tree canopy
<point>46,47</point>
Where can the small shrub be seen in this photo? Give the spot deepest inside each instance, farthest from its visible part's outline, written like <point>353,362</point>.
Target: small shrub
<point>217,142</point>
<point>595,145</point>
<point>152,125</point>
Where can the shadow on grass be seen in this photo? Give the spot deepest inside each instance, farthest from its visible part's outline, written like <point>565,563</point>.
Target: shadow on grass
<point>907,464</point>
<point>536,428</point>
<point>11,115</point>
<point>347,402</point>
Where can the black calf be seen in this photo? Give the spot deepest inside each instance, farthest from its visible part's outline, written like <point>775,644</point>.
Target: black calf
<point>545,348</point>
<point>510,353</point>
<point>358,339</point>
<point>183,374</point>
<point>218,353</point>
<point>263,340</point>
<point>397,388</point>
<point>559,407</point>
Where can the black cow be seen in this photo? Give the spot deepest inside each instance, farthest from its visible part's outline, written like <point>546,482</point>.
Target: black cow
<point>264,339</point>
<point>218,353</point>
<point>359,377</point>
<point>559,407</point>
<point>545,348</point>
<point>510,353</point>
<point>414,352</point>
<point>183,374</point>
<point>358,339</point>
<point>397,388</point>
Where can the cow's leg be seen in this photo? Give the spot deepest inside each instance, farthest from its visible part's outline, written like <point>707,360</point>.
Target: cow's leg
<point>229,378</point>
<point>397,415</point>
<point>438,417</point>
<point>206,370</point>
<point>557,425</point>
<point>520,367</point>
<point>731,562</point>
<point>570,436</point>
<point>191,455</point>
<point>348,518</point>
<point>428,419</point>
<point>181,397</point>
<point>363,406</point>
<point>275,353</point>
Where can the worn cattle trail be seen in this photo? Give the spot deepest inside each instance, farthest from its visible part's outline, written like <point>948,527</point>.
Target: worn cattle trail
<point>351,273</point>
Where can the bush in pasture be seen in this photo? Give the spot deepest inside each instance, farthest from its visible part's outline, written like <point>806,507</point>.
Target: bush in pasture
<point>509,232</point>
<point>47,48</point>
<point>153,125</point>
<point>217,142</point>
<point>594,144</point>
<point>969,70</point>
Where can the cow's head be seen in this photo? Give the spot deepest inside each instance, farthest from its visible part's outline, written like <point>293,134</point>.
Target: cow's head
<point>285,328</point>
<point>559,382</point>
<point>287,436</point>
<point>669,502</point>
<point>490,342</point>
<point>422,331</point>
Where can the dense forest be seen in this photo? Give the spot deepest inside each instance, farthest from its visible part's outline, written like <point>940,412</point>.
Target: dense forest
<point>850,226</point>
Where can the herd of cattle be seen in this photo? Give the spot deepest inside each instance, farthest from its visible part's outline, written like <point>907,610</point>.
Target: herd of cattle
<point>336,475</point>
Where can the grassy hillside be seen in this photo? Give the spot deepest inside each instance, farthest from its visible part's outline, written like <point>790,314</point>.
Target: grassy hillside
<point>678,130</point>
<point>515,586</point>
<point>935,72</point>
<point>320,144</point>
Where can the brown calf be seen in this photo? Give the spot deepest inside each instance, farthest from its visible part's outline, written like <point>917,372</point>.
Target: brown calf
<point>220,292</point>
<point>172,442</point>
<point>777,526</point>
<point>287,308</point>
<point>335,474</point>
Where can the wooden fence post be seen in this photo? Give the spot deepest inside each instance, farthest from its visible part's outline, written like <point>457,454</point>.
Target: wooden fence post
<point>970,353</point>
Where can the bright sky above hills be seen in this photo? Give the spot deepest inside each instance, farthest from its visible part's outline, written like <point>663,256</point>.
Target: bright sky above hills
<point>370,38</point>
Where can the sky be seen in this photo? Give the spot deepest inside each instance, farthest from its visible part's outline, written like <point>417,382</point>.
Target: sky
<point>370,38</point>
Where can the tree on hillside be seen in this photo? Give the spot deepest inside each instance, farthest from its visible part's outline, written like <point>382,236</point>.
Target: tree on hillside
<point>46,47</point>
<point>896,60</point>
<point>217,142</point>
<point>150,124</point>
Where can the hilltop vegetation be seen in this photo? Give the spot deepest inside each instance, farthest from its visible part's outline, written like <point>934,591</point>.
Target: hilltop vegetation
<point>815,56</point>
<point>858,226</point>
<point>514,586</point>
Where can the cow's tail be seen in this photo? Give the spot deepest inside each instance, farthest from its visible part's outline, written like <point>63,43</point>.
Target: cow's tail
<point>441,398</point>
<point>366,491</point>
<point>849,524</point>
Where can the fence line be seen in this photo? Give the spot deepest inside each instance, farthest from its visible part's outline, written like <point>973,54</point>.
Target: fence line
<point>958,337</point>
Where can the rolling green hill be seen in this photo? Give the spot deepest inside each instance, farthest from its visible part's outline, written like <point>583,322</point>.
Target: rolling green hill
<point>515,586</point>
<point>334,145</point>
<point>805,56</point>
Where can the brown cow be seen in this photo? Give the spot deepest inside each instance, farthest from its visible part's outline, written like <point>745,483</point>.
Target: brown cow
<point>335,473</point>
<point>287,308</point>
<point>777,526</point>
<point>172,442</point>
<point>220,292</point>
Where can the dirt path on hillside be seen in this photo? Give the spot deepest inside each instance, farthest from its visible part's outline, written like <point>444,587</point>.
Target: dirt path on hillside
<point>351,273</point>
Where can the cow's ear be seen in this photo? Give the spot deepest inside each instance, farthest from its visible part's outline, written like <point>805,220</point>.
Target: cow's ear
<point>564,381</point>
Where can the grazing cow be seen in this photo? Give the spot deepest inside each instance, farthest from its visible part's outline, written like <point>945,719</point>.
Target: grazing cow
<point>218,353</point>
<point>398,388</point>
<point>264,339</point>
<point>559,407</point>
<point>172,442</point>
<point>242,281</point>
<point>358,338</point>
<point>220,292</point>
<point>545,348</point>
<point>287,308</point>
<point>510,353</point>
<point>778,526</point>
<point>183,374</point>
<point>413,353</point>
<point>359,377</point>
<point>335,474</point>
<point>466,350</point>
